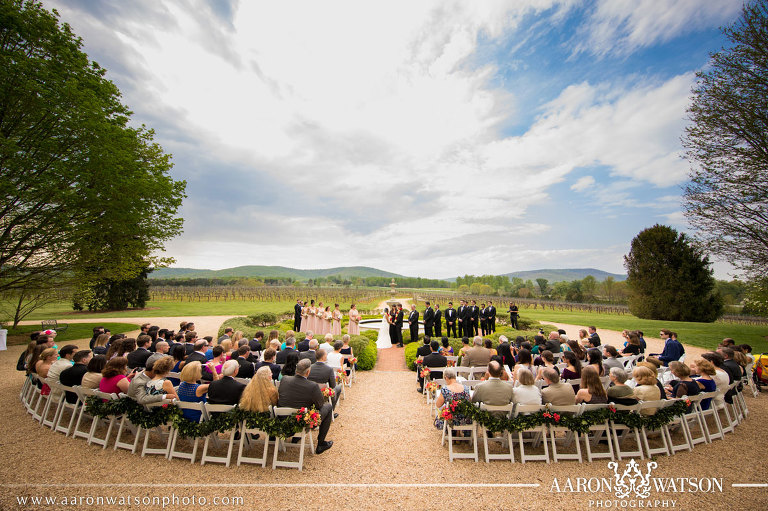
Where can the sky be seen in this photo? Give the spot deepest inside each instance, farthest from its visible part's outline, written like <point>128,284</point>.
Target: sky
<point>426,138</point>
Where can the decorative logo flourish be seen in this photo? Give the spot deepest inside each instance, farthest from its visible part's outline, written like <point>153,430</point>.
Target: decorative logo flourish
<point>632,481</point>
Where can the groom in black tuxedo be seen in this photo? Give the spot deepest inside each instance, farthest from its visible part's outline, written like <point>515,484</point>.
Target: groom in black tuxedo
<point>297,316</point>
<point>413,323</point>
<point>429,320</point>
<point>399,325</point>
<point>450,320</point>
<point>392,327</point>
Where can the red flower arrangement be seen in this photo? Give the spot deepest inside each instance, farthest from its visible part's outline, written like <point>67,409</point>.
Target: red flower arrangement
<point>327,391</point>
<point>309,417</point>
<point>424,372</point>
<point>554,416</point>
<point>432,386</point>
<point>352,360</point>
<point>446,414</point>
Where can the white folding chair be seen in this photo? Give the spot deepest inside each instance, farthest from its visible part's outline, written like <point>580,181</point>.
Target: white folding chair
<point>625,431</point>
<point>162,436</point>
<point>352,374</point>
<point>54,404</point>
<point>711,411</point>
<point>679,423</point>
<point>505,438</point>
<point>63,406</point>
<point>472,439</point>
<point>83,393</point>
<point>329,399</point>
<point>213,437</point>
<point>538,435</point>
<point>664,433</point>
<point>93,437</point>
<point>695,417</point>
<point>283,443</point>
<point>597,433</point>
<point>568,436</point>
<point>174,452</point>
<point>245,433</point>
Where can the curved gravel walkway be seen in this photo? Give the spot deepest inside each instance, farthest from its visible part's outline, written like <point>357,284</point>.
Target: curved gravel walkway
<point>386,455</point>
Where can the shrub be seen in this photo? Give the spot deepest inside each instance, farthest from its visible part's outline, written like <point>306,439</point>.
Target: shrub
<point>364,350</point>
<point>262,319</point>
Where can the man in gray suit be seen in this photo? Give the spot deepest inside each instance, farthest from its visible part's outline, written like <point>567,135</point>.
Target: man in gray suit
<point>137,389</point>
<point>297,392</point>
<point>311,352</point>
<point>556,393</point>
<point>494,392</point>
<point>321,372</point>
<point>476,356</point>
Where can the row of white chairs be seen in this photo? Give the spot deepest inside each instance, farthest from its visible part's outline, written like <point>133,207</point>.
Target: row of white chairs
<point>698,425</point>
<point>50,411</point>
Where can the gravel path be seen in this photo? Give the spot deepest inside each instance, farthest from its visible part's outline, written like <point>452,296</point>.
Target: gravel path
<point>384,444</point>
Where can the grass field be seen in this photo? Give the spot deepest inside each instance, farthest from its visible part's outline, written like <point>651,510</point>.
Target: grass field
<point>20,335</point>
<point>162,308</point>
<point>705,335</point>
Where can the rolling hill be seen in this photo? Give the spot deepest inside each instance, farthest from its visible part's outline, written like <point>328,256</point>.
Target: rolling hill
<point>270,272</point>
<point>564,274</point>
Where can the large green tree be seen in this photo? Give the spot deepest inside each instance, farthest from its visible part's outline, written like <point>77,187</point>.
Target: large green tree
<point>84,194</point>
<point>727,145</point>
<point>670,278</point>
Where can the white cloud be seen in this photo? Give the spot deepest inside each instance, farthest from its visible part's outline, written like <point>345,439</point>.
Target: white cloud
<point>583,183</point>
<point>623,26</point>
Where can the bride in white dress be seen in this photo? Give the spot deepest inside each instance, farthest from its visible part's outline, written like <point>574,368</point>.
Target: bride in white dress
<point>384,340</point>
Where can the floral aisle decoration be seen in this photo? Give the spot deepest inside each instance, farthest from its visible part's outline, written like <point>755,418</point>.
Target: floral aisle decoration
<point>425,373</point>
<point>327,392</point>
<point>170,414</point>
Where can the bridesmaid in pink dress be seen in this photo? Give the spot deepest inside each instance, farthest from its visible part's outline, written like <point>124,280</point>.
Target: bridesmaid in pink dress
<point>354,321</point>
<point>327,320</point>
<point>305,318</point>
<point>336,321</point>
<point>313,317</point>
<point>319,321</point>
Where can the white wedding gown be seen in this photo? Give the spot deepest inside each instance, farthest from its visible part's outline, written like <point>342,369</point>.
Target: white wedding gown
<point>384,341</point>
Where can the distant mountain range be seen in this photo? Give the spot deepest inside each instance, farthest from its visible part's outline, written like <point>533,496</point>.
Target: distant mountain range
<point>552,275</point>
<point>269,272</point>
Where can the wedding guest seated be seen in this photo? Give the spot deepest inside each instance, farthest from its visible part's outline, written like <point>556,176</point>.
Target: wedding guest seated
<point>684,384</point>
<point>289,348</point>
<point>139,356</point>
<point>452,391</point>
<point>564,343</point>
<point>464,346</point>
<point>334,356</point>
<point>721,377</point>
<point>494,391</point>
<point>646,389</point>
<point>476,356</point>
<point>577,349</point>
<point>311,352</point>
<point>100,344</point>
<point>553,343</point>
<point>328,344</point>
<point>73,375</point>
<point>611,358</point>
<point>115,377</point>
<point>26,355</point>
<point>673,350</point>
<point>660,382</point>
<point>297,392</point>
<point>46,359</point>
<point>260,393</point>
<point>538,344</point>
<point>524,363</point>
<point>137,389</point>
<point>591,389</point>
<point>504,349</point>
<point>526,393</point>
<point>706,373</point>
<point>161,350</point>
<point>556,392</point>
<point>505,376</point>
<point>489,346</point>
<point>268,360</point>
<point>595,359</point>
<point>545,360</point>
<point>619,392</point>
<point>256,343</point>
<point>64,362</point>
<point>159,385</point>
<point>246,367</point>
<point>289,368</point>
<point>190,390</point>
<point>92,377</point>
<point>226,390</point>
<point>226,349</point>
<point>572,371</point>
<point>434,359</point>
<point>218,361</point>
<point>304,345</point>
<point>633,346</point>
<point>424,349</point>
<point>321,372</point>
<point>446,348</point>
<point>199,348</point>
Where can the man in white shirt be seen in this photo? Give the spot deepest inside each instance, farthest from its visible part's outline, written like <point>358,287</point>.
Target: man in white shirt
<point>327,345</point>
<point>64,362</point>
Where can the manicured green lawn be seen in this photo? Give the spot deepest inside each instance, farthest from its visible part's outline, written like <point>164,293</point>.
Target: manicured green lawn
<point>705,335</point>
<point>20,335</point>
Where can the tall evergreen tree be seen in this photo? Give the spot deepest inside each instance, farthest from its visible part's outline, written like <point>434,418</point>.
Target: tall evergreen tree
<point>670,278</point>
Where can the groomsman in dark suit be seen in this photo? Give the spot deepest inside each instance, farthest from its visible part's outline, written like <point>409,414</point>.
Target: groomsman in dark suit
<point>429,320</point>
<point>413,323</point>
<point>450,320</point>
<point>483,319</point>
<point>399,325</point>
<point>474,316</point>
<point>462,319</point>
<point>491,317</point>
<point>297,316</point>
<point>438,327</point>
